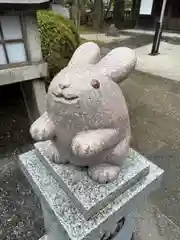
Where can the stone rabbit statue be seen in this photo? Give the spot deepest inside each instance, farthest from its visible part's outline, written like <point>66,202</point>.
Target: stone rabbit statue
<point>86,117</point>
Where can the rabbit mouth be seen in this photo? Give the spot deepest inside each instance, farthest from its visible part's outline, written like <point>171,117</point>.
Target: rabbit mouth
<point>65,98</point>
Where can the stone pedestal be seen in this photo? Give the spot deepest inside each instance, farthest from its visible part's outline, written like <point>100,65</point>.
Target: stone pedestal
<point>34,94</point>
<point>75,207</point>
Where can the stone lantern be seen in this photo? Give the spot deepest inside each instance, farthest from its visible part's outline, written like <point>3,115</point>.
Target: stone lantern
<point>20,51</point>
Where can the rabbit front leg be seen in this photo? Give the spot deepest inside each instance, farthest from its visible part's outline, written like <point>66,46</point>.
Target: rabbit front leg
<point>108,171</point>
<point>42,129</point>
<point>53,154</point>
<point>92,142</point>
<point>103,173</point>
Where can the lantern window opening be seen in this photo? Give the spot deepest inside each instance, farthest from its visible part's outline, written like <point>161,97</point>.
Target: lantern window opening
<point>13,41</point>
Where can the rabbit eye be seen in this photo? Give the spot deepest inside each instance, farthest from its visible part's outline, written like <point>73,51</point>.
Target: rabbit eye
<point>95,84</point>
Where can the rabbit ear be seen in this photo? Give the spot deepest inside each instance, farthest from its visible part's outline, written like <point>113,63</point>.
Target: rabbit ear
<point>118,63</point>
<point>87,53</point>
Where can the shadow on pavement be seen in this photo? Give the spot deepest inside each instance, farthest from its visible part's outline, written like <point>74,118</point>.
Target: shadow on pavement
<point>132,42</point>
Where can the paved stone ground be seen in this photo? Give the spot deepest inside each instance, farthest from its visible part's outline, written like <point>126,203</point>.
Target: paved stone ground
<point>103,37</point>
<point>20,213</point>
<point>14,124</point>
<point>131,42</point>
<point>153,225</point>
<point>166,64</point>
<point>155,117</point>
<point>166,34</point>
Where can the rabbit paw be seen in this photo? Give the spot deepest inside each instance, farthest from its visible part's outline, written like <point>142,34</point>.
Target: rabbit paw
<point>42,129</point>
<point>103,173</point>
<point>53,154</point>
<point>39,133</point>
<point>81,149</point>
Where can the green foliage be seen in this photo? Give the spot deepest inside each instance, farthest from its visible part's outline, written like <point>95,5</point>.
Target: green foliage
<point>59,40</point>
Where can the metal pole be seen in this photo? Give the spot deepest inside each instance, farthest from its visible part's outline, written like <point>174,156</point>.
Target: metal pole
<point>158,31</point>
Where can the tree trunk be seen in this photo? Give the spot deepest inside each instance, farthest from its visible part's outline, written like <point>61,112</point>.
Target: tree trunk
<point>78,4</point>
<point>135,11</point>
<point>118,13</point>
<point>98,14</point>
<point>109,8</point>
<point>75,11</point>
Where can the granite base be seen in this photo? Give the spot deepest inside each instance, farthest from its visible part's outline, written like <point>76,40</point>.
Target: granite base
<point>63,221</point>
<point>88,196</point>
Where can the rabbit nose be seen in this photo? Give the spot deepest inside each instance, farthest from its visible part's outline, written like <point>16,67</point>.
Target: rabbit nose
<point>64,85</point>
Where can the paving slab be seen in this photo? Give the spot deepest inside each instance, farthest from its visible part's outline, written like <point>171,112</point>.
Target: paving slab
<point>102,37</point>
<point>166,64</point>
<point>155,127</point>
<point>20,212</point>
<point>131,42</point>
<point>153,225</point>
<point>154,112</point>
<point>159,94</point>
<point>150,32</point>
<point>149,81</point>
<point>168,197</point>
